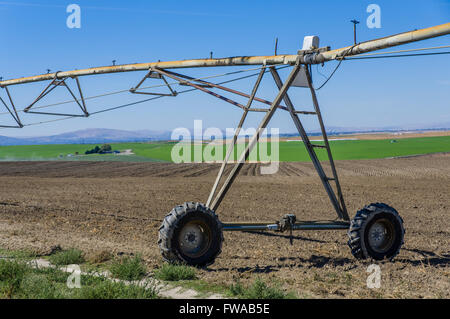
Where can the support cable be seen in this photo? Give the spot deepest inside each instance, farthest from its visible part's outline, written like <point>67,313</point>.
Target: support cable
<point>144,100</point>
<point>145,87</point>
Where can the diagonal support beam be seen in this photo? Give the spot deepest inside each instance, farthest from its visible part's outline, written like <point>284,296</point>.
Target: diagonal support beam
<point>238,166</point>
<point>198,87</point>
<point>236,134</point>
<point>221,87</point>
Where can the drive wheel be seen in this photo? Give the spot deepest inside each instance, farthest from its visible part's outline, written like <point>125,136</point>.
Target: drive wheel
<point>376,232</point>
<point>192,234</point>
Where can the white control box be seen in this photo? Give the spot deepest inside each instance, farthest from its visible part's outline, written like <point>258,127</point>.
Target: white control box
<point>310,42</point>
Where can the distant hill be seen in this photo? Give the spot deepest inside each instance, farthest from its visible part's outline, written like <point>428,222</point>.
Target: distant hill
<point>89,136</point>
<point>101,135</point>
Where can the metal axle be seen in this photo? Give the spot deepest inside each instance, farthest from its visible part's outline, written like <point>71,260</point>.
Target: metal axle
<point>277,227</point>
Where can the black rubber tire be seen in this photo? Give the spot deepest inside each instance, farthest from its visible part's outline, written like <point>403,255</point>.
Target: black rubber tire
<point>360,226</point>
<point>173,224</point>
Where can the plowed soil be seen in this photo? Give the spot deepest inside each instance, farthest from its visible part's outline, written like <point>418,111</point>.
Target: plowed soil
<point>119,206</point>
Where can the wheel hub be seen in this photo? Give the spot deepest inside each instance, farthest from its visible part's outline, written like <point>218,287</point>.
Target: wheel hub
<point>381,236</point>
<point>194,239</point>
<point>191,236</point>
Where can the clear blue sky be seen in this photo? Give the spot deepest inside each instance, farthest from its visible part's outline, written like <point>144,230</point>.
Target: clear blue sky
<point>373,93</point>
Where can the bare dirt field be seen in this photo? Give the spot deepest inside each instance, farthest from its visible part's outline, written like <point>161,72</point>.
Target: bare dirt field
<point>119,206</point>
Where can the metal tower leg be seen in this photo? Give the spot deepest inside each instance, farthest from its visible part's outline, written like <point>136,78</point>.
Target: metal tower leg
<point>338,204</point>
<point>330,156</point>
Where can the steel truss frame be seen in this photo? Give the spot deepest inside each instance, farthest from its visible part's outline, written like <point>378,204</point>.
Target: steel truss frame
<point>153,75</point>
<point>12,110</point>
<point>50,87</point>
<point>216,196</point>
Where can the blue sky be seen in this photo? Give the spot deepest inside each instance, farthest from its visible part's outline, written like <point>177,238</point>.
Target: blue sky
<point>372,93</point>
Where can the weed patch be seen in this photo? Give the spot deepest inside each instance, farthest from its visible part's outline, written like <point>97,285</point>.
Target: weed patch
<point>128,268</point>
<point>174,272</point>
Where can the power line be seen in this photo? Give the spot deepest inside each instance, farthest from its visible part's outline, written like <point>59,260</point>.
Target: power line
<point>408,50</point>
<point>396,56</point>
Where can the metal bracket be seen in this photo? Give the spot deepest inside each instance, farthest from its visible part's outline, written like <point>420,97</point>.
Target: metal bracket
<point>319,50</point>
<point>54,84</point>
<point>287,223</point>
<point>153,75</point>
<point>12,110</point>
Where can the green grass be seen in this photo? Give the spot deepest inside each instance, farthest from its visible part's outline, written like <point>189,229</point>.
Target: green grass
<point>12,274</point>
<point>19,280</point>
<point>23,254</point>
<point>107,289</point>
<point>368,149</point>
<point>173,272</point>
<point>128,268</point>
<point>293,151</point>
<point>259,290</point>
<point>67,257</point>
<point>204,288</point>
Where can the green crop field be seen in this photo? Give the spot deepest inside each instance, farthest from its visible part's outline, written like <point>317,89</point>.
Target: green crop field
<point>292,151</point>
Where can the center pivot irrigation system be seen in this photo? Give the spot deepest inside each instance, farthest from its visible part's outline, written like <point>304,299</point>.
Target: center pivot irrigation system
<point>192,233</point>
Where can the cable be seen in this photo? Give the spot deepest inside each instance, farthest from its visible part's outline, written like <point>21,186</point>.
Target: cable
<point>408,50</point>
<point>146,100</point>
<point>341,58</point>
<point>331,75</point>
<point>360,57</point>
<point>145,87</point>
<point>396,56</point>
<point>321,74</point>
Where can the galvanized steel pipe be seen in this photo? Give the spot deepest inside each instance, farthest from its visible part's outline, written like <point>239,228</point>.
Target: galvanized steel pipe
<point>364,47</point>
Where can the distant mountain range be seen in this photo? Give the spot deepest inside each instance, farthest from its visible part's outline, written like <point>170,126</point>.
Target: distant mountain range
<point>89,136</point>
<point>100,135</point>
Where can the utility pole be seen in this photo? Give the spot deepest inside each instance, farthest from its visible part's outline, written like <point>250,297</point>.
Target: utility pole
<point>355,22</point>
